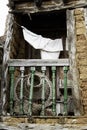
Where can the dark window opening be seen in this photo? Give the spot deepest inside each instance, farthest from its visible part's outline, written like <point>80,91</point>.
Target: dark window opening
<point>48,24</point>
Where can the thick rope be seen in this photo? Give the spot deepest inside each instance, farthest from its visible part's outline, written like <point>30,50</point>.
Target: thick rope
<point>48,102</point>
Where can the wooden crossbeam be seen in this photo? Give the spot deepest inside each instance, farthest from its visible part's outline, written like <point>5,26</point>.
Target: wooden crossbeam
<point>38,62</point>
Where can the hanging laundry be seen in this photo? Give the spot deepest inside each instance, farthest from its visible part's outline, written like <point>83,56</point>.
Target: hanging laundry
<point>50,49</point>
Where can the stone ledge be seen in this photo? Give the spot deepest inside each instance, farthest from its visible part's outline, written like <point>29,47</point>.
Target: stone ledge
<point>45,120</point>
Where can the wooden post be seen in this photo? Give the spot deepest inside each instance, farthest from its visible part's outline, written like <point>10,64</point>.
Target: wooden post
<point>31,91</point>
<point>65,90</point>
<point>21,90</point>
<point>53,90</point>
<point>4,84</point>
<point>11,69</point>
<point>43,91</point>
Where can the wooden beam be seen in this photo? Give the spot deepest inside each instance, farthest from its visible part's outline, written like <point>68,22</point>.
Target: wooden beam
<point>38,62</point>
<point>22,0</point>
<point>30,8</point>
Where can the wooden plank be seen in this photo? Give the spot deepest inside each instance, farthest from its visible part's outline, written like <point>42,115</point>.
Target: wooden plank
<point>22,0</point>
<point>30,8</point>
<point>4,82</point>
<point>71,39</point>
<point>38,62</point>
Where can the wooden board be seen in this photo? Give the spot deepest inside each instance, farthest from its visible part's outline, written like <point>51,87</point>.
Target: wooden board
<point>38,62</point>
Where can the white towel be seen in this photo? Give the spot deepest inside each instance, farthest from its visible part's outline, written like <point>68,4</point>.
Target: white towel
<point>49,48</point>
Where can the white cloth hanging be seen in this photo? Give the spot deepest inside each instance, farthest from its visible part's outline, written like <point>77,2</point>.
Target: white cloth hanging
<point>50,49</point>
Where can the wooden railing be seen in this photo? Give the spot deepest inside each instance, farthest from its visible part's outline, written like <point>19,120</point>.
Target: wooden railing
<point>22,98</point>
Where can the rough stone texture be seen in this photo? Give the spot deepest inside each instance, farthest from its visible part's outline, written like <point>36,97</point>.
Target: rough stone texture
<point>17,46</point>
<point>42,127</point>
<point>2,40</point>
<point>44,124</point>
<point>81,55</point>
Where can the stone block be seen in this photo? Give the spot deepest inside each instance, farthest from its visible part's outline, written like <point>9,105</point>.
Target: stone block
<point>83,69</point>
<point>81,62</point>
<point>84,95</point>
<point>80,24</point>
<point>83,85</point>
<point>78,11</point>
<point>81,55</point>
<point>81,49</point>
<point>81,42</point>
<point>79,18</point>
<point>84,101</point>
<point>81,38</point>
<point>83,76</point>
<point>81,31</point>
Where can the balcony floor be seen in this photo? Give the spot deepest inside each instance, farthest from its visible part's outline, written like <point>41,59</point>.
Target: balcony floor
<point>48,123</point>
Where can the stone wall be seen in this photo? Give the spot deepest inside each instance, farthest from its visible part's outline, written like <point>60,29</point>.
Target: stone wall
<point>17,43</point>
<point>81,55</point>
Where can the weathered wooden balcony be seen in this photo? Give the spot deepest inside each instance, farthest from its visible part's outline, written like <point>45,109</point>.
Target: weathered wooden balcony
<point>22,86</point>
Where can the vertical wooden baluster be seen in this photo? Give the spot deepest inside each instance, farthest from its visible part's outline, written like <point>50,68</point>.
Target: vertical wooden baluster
<point>43,91</point>
<point>31,91</point>
<point>21,90</point>
<point>11,69</point>
<point>53,90</point>
<point>65,69</point>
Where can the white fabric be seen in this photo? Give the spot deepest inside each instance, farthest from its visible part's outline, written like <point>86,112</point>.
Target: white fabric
<point>49,48</point>
<point>49,55</point>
